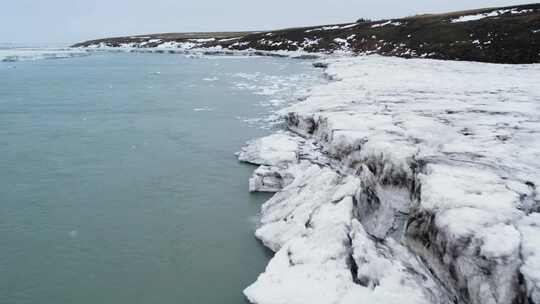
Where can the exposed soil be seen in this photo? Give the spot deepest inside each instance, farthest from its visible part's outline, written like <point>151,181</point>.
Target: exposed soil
<point>503,35</point>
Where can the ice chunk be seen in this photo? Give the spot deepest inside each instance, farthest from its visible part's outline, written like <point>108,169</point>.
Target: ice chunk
<point>271,150</point>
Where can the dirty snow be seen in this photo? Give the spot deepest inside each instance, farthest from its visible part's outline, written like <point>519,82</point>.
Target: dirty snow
<point>404,152</point>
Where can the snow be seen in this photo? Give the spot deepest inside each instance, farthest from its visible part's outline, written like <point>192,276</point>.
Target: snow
<point>285,215</point>
<point>309,42</point>
<point>386,23</point>
<point>230,39</point>
<point>324,28</point>
<point>454,187</point>
<point>495,13</point>
<point>301,218</point>
<point>271,150</point>
<point>197,48</point>
<point>530,231</point>
<point>349,26</point>
<point>396,154</point>
<point>175,45</point>
<point>151,45</point>
<point>332,27</point>
<point>500,240</point>
<point>200,40</point>
<point>308,225</point>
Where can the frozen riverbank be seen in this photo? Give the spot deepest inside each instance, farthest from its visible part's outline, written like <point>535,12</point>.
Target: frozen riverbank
<point>404,181</point>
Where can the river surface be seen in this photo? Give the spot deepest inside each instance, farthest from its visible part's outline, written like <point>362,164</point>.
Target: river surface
<point>118,180</point>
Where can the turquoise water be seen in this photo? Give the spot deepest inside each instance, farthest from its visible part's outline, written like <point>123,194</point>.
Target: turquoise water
<point>118,182</point>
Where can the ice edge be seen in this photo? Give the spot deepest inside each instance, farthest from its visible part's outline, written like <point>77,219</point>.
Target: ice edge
<point>392,195</point>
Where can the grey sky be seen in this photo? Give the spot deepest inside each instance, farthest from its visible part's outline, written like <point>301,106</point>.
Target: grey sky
<point>68,21</point>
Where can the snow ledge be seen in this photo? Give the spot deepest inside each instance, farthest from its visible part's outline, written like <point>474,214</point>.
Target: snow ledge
<point>406,181</point>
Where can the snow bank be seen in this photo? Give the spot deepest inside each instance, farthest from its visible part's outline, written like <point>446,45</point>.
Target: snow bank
<point>323,255</point>
<point>418,186</point>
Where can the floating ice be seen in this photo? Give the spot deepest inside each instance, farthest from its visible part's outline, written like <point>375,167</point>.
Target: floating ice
<point>203,109</point>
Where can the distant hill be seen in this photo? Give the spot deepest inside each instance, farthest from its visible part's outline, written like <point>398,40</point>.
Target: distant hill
<point>499,35</point>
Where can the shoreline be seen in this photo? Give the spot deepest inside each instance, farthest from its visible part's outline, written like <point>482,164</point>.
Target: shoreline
<point>392,186</point>
<point>352,179</point>
<point>400,178</point>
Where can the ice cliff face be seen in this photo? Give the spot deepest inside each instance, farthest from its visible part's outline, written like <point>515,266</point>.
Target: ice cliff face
<point>404,181</point>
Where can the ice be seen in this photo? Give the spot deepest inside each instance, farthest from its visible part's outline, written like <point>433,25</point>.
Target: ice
<point>418,185</point>
<point>203,109</point>
<point>296,222</point>
<point>390,273</point>
<point>210,79</point>
<point>309,225</point>
<point>285,216</point>
<point>31,54</point>
<point>271,150</point>
<point>273,178</point>
<point>267,179</point>
<point>530,231</point>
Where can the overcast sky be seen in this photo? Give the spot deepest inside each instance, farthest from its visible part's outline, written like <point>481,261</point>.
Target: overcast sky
<point>69,21</point>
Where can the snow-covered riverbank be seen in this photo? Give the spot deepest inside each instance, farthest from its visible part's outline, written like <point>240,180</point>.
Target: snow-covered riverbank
<point>404,181</point>
<point>498,35</point>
